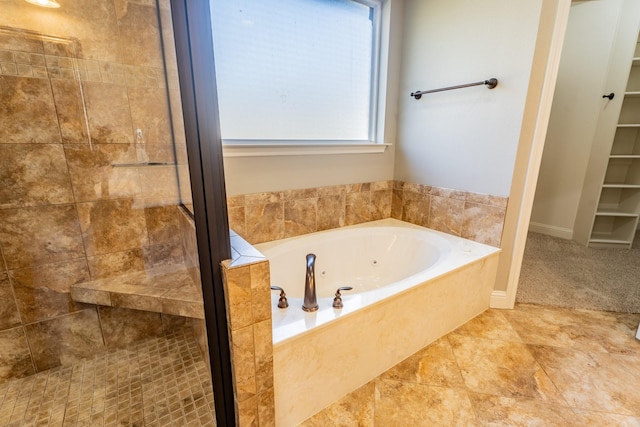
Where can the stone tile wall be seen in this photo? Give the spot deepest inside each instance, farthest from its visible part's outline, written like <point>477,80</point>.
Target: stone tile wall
<point>248,299</point>
<point>70,107</point>
<point>262,217</point>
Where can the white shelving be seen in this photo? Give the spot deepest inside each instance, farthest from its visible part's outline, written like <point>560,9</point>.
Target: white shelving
<point>618,212</point>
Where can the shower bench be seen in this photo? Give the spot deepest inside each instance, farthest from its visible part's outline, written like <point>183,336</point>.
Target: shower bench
<point>168,289</point>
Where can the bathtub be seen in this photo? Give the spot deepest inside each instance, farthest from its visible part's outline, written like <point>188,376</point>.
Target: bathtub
<point>411,284</point>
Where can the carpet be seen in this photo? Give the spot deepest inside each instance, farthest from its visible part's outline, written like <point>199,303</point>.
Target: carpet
<point>563,273</point>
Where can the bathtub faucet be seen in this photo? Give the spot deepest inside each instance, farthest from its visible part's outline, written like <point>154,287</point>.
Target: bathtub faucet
<point>310,299</point>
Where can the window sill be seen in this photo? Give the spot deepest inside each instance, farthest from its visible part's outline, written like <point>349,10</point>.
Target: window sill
<point>298,148</point>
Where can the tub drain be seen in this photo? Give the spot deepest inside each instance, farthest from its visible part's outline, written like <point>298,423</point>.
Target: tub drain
<point>374,262</point>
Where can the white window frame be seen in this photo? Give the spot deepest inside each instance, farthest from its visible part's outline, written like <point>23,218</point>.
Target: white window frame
<point>374,144</point>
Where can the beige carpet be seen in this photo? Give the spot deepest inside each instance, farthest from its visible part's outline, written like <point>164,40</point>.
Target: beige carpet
<point>562,273</point>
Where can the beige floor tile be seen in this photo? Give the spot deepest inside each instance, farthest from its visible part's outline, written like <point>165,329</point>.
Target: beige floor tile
<point>355,409</point>
<point>433,365</point>
<point>603,419</point>
<point>502,368</point>
<point>578,329</point>
<point>417,405</point>
<point>593,381</point>
<point>492,324</point>
<point>508,411</point>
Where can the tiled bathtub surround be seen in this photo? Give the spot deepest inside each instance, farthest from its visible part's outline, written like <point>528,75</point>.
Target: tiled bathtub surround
<point>248,299</point>
<point>262,217</point>
<point>67,214</point>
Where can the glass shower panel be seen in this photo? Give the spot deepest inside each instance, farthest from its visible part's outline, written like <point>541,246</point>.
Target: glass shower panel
<point>101,313</point>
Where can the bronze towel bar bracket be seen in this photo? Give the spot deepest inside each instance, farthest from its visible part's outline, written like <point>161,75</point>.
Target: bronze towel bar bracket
<point>491,83</point>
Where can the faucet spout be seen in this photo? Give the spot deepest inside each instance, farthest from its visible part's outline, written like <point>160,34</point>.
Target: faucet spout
<point>310,299</point>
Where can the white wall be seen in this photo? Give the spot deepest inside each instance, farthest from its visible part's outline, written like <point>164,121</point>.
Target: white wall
<point>464,139</point>
<point>275,173</point>
<point>576,105</point>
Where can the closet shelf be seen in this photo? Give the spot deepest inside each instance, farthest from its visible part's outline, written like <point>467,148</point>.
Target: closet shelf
<point>616,212</point>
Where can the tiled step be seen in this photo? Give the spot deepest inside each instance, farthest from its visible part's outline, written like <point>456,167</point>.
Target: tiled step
<point>168,289</point>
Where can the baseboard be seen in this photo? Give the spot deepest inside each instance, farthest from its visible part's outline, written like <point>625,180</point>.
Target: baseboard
<point>500,299</point>
<point>551,230</point>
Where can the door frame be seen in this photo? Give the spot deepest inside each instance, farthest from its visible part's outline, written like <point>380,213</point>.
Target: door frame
<point>196,72</point>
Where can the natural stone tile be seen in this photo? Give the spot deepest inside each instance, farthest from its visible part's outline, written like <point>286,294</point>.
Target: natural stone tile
<point>163,224</point>
<point>487,199</point>
<point>237,220</point>
<point>448,193</point>
<point>150,114</point>
<point>415,207</point>
<point>483,223</point>
<point>333,190</point>
<point>90,296</point>
<point>358,207</point>
<point>263,344</point>
<point>396,204</point>
<point>416,188</point>
<point>381,186</point>
<point>600,419</point>
<point>171,323</point>
<point>139,35</point>
<point>163,254</point>
<point>9,316</point>
<point>67,97</point>
<point>94,175</point>
<point>79,331</point>
<point>260,291</point>
<point>266,405</point>
<point>502,368</point>
<point>263,198</point>
<point>593,380</point>
<point>304,193</point>
<point>243,363</point>
<point>238,294</point>
<point>380,204</point>
<point>136,301</point>
<point>331,212</point>
<point>43,291</point>
<point>492,325</point>
<point>235,201</point>
<point>248,412</point>
<point>15,360</point>
<point>27,111</point>
<point>409,404</point>
<point>300,217</point>
<point>121,326</point>
<point>264,222</point>
<point>112,226</point>
<point>16,41</point>
<point>354,409</point>
<point>434,365</point>
<point>520,411</point>
<point>446,214</point>
<point>111,264</point>
<point>108,113</point>
<point>159,182</point>
<point>183,302</point>
<point>45,234</point>
<point>577,329</point>
<point>33,174</point>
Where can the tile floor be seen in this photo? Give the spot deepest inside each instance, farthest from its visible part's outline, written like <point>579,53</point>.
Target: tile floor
<point>532,366</point>
<point>157,382</point>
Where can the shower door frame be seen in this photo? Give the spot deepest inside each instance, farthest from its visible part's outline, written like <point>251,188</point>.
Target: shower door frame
<point>196,72</point>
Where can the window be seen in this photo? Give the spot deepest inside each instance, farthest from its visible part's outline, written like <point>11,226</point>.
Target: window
<point>296,70</point>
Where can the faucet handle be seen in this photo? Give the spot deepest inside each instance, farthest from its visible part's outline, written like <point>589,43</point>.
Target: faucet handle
<point>282,302</point>
<point>337,301</point>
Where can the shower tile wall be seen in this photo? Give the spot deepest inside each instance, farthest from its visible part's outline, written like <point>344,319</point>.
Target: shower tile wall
<point>261,217</point>
<point>66,214</point>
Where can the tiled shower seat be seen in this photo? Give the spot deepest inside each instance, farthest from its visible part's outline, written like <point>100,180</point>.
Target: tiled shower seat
<point>166,289</point>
